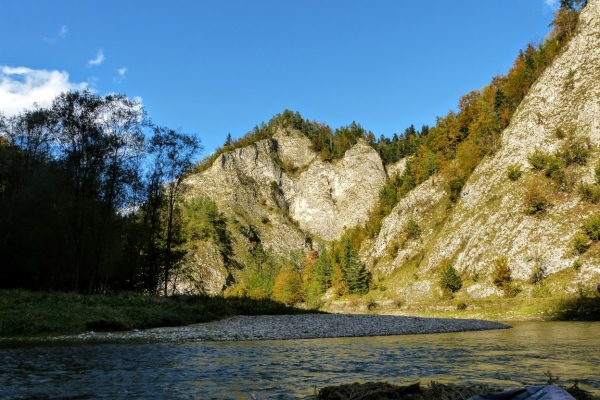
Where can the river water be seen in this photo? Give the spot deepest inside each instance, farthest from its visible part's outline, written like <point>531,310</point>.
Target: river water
<point>293,369</point>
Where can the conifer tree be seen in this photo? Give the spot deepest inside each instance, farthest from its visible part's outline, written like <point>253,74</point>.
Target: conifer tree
<point>355,274</point>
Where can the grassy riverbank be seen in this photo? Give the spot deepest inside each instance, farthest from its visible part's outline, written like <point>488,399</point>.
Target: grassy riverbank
<point>25,313</point>
<point>582,307</point>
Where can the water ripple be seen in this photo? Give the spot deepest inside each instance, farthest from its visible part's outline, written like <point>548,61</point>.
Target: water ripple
<point>293,369</point>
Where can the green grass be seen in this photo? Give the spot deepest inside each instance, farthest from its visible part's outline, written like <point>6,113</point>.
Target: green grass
<point>26,313</point>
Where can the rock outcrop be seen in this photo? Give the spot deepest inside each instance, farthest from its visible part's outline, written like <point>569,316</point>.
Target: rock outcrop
<point>283,192</point>
<point>287,196</point>
<point>489,220</point>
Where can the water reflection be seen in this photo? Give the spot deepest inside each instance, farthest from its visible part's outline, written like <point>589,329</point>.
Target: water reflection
<point>292,369</point>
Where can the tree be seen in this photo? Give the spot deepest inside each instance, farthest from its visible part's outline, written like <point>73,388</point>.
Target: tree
<point>287,287</point>
<point>355,274</point>
<point>173,155</point>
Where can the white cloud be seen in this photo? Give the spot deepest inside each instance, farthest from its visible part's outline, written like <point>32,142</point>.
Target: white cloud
<point>98,60</point>
<point>21,87</point>
<point>63,31</point>
<point>121,77</point>
<point>553,4</point>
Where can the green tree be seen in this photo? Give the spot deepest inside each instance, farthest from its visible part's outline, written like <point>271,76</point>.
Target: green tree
<point>355,274</point>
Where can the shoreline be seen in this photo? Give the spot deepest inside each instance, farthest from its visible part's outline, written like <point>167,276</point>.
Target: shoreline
<point>280,327</point>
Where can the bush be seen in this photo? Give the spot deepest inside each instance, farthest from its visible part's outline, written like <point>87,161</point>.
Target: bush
<point>514,172</point>
<point>576,150</point>
<point>392,249</point>
<point>597,172</point>
<point>449,279</point>
<point>537,275</point>
<point>580,243</point>
<point>536,198</point>
<point>577,264</point>
<point>554,168</point>
<point>537,160</point>
<point>592,227</point>
<point>461,305</point>
<point>511,290</point>
<point>413,229</point>
<point>501,274</point>
<point>589,193</point>
<point>370,302</point>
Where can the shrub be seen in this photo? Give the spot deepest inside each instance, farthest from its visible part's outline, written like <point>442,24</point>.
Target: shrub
<point>580,243</point>
<point>536,198</point>
<point>413,229</point>
<point>511,290</point>
<point>370,302</point>
<point>537,160</point>
<point>461,305</point>
<point>576,150</point>
<point>592,227</point>
<point>449,279</point>
<point>559,133</point>
<point>597,172</point>
<point>577,264</point>
<point>589,193</point>
<point>514,172</point>
<point>501,274</point>
<point>537,275</point>
<point>554,168</point>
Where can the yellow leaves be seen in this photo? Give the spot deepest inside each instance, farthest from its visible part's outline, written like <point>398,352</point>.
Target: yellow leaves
<point>288,286</point>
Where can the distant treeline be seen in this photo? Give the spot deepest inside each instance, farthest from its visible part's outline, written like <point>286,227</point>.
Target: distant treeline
<point>88,192</point>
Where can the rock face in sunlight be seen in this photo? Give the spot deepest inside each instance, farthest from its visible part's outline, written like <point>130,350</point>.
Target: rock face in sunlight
<point>328,197</point>
<point>280,194</point>
<point>490,219</point>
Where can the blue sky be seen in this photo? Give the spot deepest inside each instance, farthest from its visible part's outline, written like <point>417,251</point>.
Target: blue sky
<point>218,67</point>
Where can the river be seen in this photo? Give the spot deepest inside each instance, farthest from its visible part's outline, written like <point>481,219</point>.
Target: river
<point>292,369</point>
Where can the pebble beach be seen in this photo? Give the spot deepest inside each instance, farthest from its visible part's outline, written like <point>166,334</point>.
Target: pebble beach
<point>287,327</point>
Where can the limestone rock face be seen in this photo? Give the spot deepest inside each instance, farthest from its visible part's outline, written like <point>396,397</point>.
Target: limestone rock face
<point>330,196</point>
<point>282,192</point>
<point>489,220</point>
<point>294,149</point>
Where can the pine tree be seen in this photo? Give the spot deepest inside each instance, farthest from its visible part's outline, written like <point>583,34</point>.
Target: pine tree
<point>356,276</point>
<point>323,271</point>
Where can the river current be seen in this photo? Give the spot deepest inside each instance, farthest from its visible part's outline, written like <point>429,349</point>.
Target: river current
<point>292,369</point>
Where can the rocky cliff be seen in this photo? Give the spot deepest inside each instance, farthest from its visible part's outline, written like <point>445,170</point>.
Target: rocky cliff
<point>489,220</point>
<point>281,191</point>
<point>287,196</point>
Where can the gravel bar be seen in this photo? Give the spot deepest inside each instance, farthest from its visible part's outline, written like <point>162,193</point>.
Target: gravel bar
<point>304,326</point>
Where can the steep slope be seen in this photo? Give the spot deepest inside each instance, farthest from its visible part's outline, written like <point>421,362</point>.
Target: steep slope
<point>489,220</point>
<point>278,193</point>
